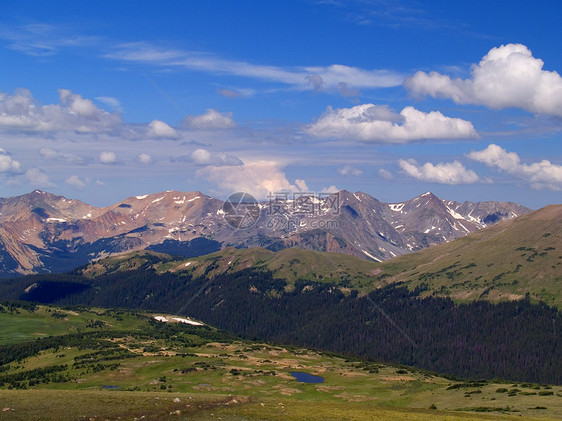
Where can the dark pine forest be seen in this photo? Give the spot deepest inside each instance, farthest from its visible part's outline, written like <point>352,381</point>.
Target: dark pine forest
<point>519,340</point>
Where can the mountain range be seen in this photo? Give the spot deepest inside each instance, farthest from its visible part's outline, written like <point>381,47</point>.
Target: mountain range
<point>41,232</point>
<point>505,262</point>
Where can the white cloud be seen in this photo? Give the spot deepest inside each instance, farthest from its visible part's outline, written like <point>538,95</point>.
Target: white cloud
<point>317,77</point>
<point>370,122</point>
<point>301,184</point>
<point>38,39</point>
<point>349,170</point>
<point>75,113</point>
<point>78,105</point>
<point>508,76</point>
<point>159,129</point>
<point>110,101</point>
<point>59,155</point>
<point>201,157</point>
<point>7,164</point>
<point>107,157</point>
<point>204,157</point>
<point>387,175</point>
<point>37,178</point>
<point>331,189</point>
<point>144,158</point>
<point>212,119</point>
<point>540,175</point>
<point>75,182</point>
<point>443,173</point>
<point>258,178</point>
<point>229,93</point>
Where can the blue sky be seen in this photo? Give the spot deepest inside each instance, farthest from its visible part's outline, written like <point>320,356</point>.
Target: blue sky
<point>104,100</point>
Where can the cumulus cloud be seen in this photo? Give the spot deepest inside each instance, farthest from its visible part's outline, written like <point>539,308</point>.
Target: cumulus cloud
<point>370,122</point>
<point>258,178</point>
<point>159,129</point>
<point>7,164</point>
<point>212,119</point>
<point>331,189</point>
<point>443,173</point>
<point>37,178</point>
<point>204,157</point>
<point>77,104</point>
<point>349,170</point>
<point>508,76</point>
<point>75,182</point>
<point>107,157</point>
<point>541,175</point>
<point>75,113</point>
<point>301,184</point>
<point>144,158</point>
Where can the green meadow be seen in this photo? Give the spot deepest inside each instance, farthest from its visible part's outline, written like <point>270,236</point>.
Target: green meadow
<point>109,364</point>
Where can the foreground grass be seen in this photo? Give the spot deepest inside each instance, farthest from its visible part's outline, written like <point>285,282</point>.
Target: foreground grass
<point>103,405</point>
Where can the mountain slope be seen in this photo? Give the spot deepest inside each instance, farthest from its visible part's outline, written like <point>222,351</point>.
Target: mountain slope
<point>288,264</point>
<point>504,261</point>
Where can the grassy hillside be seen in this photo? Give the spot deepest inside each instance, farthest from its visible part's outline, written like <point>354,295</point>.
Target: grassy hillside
<point>503,262</point>
<point>288,264</point>
<point>100,364</point>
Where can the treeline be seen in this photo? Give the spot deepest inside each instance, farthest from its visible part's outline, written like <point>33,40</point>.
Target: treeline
<point>23,379</point>
<point>518,340</point>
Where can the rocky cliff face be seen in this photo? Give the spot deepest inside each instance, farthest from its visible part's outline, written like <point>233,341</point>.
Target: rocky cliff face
<point>42,232</point>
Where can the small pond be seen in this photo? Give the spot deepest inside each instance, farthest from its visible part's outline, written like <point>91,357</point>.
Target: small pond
<point>306,378</point>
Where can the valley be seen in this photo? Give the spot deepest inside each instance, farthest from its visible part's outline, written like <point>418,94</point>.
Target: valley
<point>97,364</point>
<point>425,335</point>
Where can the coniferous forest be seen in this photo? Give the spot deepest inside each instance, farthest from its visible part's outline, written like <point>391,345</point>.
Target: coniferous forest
<point>517,340</point>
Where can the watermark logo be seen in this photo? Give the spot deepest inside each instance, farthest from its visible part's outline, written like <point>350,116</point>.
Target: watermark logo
<point>284,211</point>
<point>241,210</point>
<point>303,204</point>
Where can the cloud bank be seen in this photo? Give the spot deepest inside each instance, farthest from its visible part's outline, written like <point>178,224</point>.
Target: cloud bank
<point>21,112</point>
<point>375,123</point>
<point>7,164</point>
<point>508,76</point>
<point>540,175</point>
<point>442,173</point>
<point>211,119</point>
<point>158,129</point>
<point>259,178</point>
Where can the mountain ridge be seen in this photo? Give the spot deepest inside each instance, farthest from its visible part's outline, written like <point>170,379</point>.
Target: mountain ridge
<point>41,232</point>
